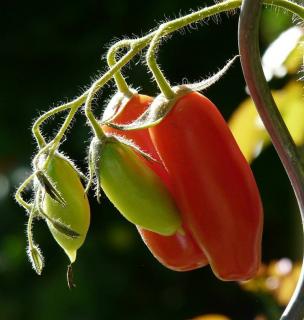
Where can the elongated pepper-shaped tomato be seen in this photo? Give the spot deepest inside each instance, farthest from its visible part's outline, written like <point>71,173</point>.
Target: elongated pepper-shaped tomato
<point>214,185</point>
<point>177,252</point>
<point>135,189</point>
<point>75,214</point>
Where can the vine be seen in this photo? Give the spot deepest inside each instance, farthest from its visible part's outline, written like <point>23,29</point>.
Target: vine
<point>272,119</point>
<point>249,57</point>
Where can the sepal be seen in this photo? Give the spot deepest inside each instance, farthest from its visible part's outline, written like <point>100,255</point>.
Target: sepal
<point>161,106</point>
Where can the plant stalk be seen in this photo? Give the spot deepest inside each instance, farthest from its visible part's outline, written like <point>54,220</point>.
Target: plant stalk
<point>272,119</point>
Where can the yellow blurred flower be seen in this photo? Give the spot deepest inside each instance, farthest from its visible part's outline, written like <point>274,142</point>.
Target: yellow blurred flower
<point>283,56</point>
<point>249,131</point>
<point>278,278</point>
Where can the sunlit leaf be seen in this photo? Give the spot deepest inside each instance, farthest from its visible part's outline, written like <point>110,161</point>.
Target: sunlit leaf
<point>284,55</point>
<point>248,128</point>
<point>294,61</point>
<point>293,112</point>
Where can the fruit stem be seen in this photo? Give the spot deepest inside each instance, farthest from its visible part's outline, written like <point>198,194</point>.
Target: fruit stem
<point>111,58</point>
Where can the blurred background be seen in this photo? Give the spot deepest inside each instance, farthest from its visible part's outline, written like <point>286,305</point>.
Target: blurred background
<point>50,53</point>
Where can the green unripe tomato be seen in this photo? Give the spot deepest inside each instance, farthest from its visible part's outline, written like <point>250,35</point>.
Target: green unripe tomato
<point>135,190</point>
<point>75,213</point>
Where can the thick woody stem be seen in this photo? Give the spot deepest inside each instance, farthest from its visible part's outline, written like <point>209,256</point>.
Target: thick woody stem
<point>280,136</point>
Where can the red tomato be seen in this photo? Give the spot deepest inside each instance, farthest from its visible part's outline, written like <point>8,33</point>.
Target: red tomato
<point>131,111</point>
<point>177,252</point>
<point>214,186</point>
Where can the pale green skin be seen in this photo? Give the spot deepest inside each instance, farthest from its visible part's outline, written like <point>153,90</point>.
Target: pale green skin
<point>76,213</point>
<point>136,191</point>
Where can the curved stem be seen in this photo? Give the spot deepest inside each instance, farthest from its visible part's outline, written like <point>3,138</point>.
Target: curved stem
<point>280,136</point>
<point>140,43</point>
<point>87,97</point>
<point>29,227</point>
<point>36,127</point>
<point>34,253</point>
<point>158,75</point>
<point>287,5</point>
<point>136,46</point>
<point>63,129</point>
<point>111,58</point>
<point>89,114</point>
<point>181,22</point>
<point>56,142</point>
<point>18,194</point>
<point>174,25</point>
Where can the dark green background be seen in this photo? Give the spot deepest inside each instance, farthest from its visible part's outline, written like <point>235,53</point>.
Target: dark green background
<point>50,52</point>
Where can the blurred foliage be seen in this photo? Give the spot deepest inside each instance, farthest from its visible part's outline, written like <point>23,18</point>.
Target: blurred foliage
<point>273,22</point>
<point>249,131</point>
<point>279,59</point>
<point>294,61</point>
<point>274,284</point>
<point>50,54</point>
<point>278,279</point>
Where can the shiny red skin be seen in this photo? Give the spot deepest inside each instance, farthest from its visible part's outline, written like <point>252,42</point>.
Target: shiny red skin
<point>131,111</point>
<point>177,252</point>
<point>214,186</point>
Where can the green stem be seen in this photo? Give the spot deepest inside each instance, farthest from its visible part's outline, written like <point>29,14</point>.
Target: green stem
<point>56,142</point>
<point>89,114</point>
<point>174,25</point>
<point>36,127</point>
<point>272,119</point>
<point>111,58</point>
<point>138,44</point>
<point>158,75</point>
<point>18,194</point>
<point>179,23</point>
<point>135,46</point>
<point>29,227</point>
<point>287,5</point>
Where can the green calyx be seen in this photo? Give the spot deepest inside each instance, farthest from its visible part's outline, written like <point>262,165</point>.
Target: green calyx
<point>161,106</point>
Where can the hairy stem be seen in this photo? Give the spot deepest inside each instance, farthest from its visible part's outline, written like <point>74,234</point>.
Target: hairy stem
<point>111,58</point>
<point>269,113</point>
<point>174,25</point>
<point>36,127</point>
<point>137,45</point>
<point>194,17</point>
<point>89,114</point>
<point>60,135</point>
<point>18,194</point>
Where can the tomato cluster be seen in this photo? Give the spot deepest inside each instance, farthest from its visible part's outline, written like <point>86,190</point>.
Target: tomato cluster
<point>182,181</point>
<point>203,171</point>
